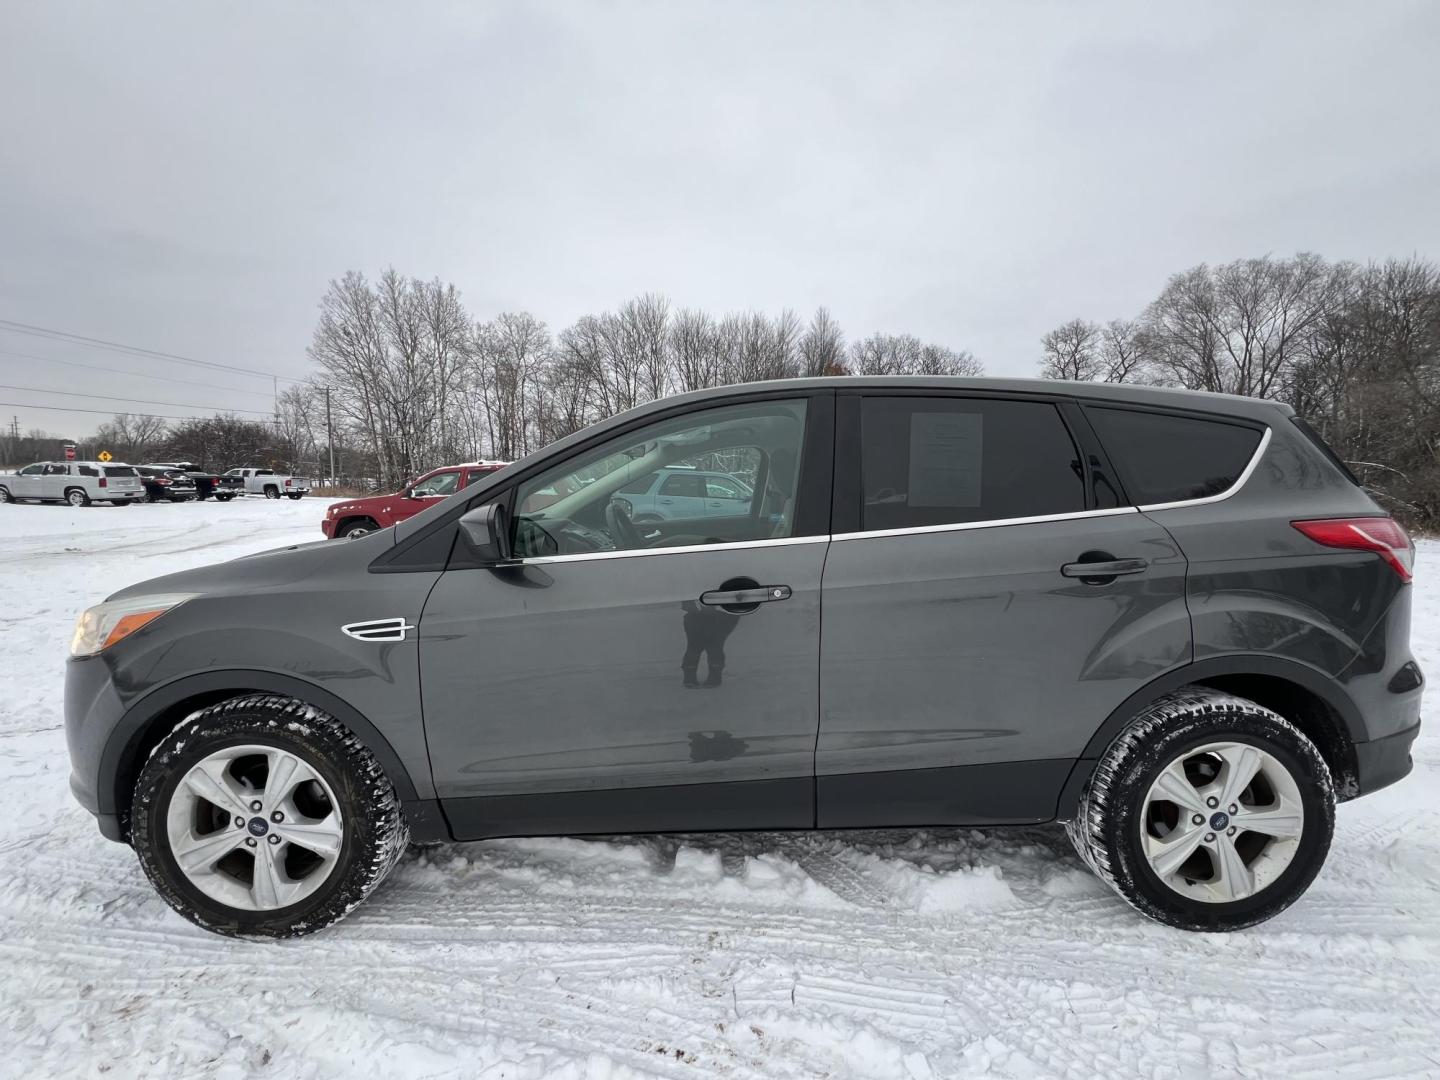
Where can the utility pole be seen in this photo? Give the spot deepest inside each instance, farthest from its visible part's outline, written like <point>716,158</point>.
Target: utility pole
<point>330,436</point>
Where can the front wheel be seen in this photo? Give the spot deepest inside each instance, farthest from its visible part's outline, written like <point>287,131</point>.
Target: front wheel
<point>1208,812</point>
<point>261,817</point>
<point>5,496</point>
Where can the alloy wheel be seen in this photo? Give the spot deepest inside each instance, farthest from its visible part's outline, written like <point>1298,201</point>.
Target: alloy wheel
<point>254,827</point>
<point>1222,822</point>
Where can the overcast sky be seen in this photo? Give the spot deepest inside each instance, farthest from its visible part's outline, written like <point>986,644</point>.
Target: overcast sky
<point>189,177</point>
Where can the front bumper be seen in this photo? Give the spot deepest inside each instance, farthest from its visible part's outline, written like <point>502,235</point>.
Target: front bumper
<point>327,526</point>
<point>92,710</point>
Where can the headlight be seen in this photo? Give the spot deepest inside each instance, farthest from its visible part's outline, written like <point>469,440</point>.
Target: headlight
<point>104,624</point>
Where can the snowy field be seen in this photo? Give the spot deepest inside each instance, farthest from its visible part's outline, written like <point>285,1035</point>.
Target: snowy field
<point>943,954</point>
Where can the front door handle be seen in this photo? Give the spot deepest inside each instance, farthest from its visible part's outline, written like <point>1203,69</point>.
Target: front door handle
<point>740,601</point>
<point>1100,570</point>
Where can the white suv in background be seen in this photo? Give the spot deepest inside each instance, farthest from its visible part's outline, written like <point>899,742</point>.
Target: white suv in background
<point>78,483</point>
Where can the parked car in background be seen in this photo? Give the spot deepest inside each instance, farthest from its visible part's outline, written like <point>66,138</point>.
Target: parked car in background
<point>676,492</point>
<point>270,483</point>
<point>166,485</point>
<point>356,517</point>
<point>207,483</point>
<point>78,483</point>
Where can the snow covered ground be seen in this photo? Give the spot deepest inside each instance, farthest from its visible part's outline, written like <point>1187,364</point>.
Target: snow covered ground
<point>944,954</point>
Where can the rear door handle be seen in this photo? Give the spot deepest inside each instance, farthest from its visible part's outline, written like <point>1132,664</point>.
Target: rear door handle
<point>1105,569</point>
<point>760,594</point>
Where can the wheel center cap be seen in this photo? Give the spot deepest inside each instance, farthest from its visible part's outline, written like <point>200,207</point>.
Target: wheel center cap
<point>258,826</point>
<point>1219,820</point>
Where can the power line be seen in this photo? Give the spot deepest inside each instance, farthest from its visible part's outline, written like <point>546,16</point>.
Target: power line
<point>102,412</point>
<point>135,350</point>
<point>136,401</point>
<point>137,374</point>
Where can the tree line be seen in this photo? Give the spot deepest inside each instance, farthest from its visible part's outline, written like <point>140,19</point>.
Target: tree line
<point>1354,349</point>
<point>417,381</point>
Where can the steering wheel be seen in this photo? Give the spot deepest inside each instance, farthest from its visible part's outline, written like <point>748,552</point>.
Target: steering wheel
<point>622,529</point>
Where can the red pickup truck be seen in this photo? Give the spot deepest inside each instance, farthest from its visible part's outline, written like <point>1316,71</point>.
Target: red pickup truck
<point>356,517</point>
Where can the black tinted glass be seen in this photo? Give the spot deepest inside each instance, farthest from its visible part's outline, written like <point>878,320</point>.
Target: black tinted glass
<point>1163,457</point>
<point>940,461</point>
<point>89,470</point>
<point>119,470</point>
<point>690,487</point>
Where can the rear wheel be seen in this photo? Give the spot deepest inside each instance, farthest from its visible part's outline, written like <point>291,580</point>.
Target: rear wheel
<point>295,494</point>
<point>272,492</point>
<point>261,817</point>
<point>223,498</point>
<point>77,497</point>
<point>1208,812</point>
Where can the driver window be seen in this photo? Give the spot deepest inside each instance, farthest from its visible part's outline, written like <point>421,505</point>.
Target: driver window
<point>606,499</point>
<point>443,484</point>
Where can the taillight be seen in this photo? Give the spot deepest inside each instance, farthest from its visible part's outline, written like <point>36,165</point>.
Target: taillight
<point>289,482</point>
<point>102,482</point>
<point>163,482</point>
<point>1382,535</point>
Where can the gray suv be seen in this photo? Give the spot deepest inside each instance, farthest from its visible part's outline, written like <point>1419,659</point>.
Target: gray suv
<point>1172,621</point>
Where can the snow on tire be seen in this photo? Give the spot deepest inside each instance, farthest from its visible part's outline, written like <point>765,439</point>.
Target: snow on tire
<point>262,816</point>
<point>1208,812</point>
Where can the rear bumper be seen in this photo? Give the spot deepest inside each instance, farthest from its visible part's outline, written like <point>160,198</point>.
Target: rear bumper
<point>1381,762</point>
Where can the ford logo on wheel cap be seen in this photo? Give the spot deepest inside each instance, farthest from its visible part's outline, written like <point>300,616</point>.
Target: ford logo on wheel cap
<point>258,826</point>
<point>1218,821</point>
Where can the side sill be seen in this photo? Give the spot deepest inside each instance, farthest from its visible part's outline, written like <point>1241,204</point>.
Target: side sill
<point>1007,793</point>
<point>735,806</point>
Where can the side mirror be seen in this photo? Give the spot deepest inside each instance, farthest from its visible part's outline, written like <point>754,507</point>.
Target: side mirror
<point>486,530</point>
<point>406,492</point>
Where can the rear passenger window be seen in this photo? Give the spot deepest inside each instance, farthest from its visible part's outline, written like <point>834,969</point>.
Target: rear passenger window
<point>1163,457</point>
<point>943,461</point>
<point>88,470</point>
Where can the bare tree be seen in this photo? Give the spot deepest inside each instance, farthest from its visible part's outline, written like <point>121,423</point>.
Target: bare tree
<point>1072,351</point>
<point>822,349</point>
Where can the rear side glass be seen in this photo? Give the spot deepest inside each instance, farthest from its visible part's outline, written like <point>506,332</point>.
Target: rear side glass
<point>1324,448</point>
<point>1165,457</point>
<point>88,470</point>
<point>944,461</point>
<point>119,470</point>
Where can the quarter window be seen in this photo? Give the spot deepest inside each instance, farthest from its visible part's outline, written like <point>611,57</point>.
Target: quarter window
<point>1166,457</point>
<point>943,461</point>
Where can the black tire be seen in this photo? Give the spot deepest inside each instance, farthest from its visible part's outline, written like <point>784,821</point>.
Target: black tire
<point>223,498</point>
<point>375,833</point>
<point>272,492</point>
<point>1106,829</point>
<point>5,496</point>
<point>122,502</point>
<point>295,494</point>
<point>357,527</point>
<point>71,493</point>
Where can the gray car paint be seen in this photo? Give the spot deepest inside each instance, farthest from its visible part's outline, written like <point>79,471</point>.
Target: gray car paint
<point>1251,587</point>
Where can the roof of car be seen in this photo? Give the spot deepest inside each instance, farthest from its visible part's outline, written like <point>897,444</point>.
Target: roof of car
<point>1130,393</point>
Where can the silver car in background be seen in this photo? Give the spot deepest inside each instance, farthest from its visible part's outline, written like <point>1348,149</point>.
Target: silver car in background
<point>78,483</point>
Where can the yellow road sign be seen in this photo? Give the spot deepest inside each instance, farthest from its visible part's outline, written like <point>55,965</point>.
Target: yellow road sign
<point>104,455</point>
